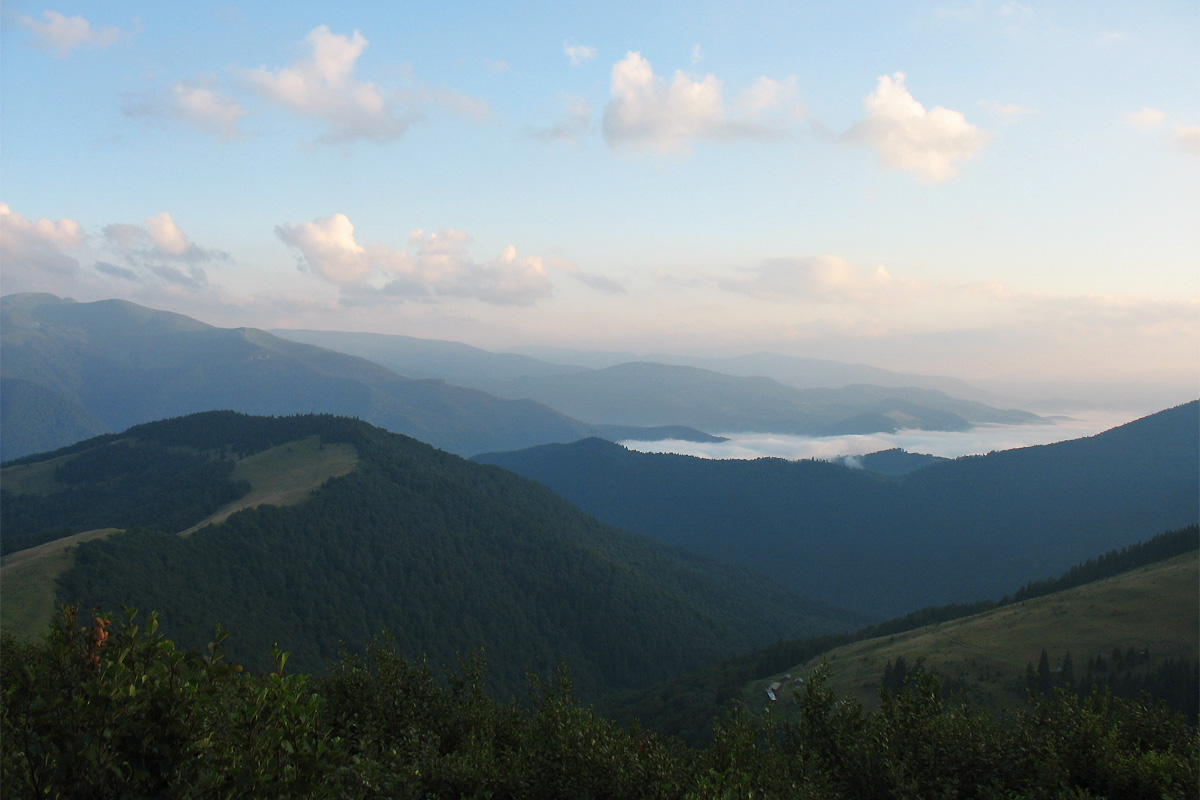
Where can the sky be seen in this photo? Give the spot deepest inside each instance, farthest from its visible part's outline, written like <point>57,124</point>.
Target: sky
<point>981,189</point>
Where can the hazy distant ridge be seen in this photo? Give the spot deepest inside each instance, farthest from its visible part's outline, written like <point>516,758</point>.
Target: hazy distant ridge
<point>112,364</point>
<point>761,392</point>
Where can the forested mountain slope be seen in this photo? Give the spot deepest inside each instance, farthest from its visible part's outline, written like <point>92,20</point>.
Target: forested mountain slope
<point>954,531</point>
<point>448,555</point>
<point>75,369</point>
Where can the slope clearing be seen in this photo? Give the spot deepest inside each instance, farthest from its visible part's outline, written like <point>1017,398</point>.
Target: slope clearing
<point>1153,608</point>
<point>285,474</point>
<point>279,476</point>
<point>28,581</point>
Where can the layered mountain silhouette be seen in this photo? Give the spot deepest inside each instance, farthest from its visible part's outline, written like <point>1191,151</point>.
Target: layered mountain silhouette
<point>76,369</point>
<point>761,393</point>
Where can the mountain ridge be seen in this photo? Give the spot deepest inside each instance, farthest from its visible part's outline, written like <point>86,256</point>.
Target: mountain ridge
<point>121,364</point>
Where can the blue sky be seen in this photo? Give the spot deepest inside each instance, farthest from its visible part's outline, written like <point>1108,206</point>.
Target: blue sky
<point>983,189</point>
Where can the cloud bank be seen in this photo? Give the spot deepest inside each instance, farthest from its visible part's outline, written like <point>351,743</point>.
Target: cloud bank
<point>439,266</point>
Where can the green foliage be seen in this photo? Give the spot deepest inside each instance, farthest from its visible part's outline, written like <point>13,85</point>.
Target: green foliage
<point>127,715</point>
<point>113,710</point>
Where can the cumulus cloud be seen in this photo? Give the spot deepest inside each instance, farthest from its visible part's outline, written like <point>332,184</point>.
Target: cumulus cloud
<point>208,109</point>
<point>157,239</point>
<point>323,85</point>
<point>1009,111</point>
<point>646,112</point>
<point>906,136</point>
<point>1187,138</point>
<point>328,248</point>
<point>1184,137</point>
<point>819,279</point>
<point>574,123</point>
<point>439,266</point>
<point>62,34</point>
<point>1147,119</point>
<point>578,53</point>
<point>38,246</point>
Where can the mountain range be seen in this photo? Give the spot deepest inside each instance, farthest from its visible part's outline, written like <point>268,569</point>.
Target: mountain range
<point>953,531</point>
<point>759,393</point>
<point>71,370</point>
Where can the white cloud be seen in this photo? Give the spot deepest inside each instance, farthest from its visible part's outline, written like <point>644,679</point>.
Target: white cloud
<point>591,279</point>
<point>1184,137</point>
<point>439,267</point>
<point>1008,110</point>
<point>697,56</point>
<point>820,279</point>
<point>328,247</point>
<point>323,85</point>
<point>62,34</point>
<point>1187,138</point>
<point>158,239</point>
<point>1145,120</point>
<point>1018,10</point>
<point>37,247</point>
<point>576,118</point>
<point>579,53</point>
<point>207,109</point>
<point>908,137</point>
<point>646,112</point>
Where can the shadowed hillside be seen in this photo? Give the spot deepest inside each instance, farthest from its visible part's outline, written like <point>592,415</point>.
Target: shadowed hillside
<point>954,531</point>
<point>447,555</point>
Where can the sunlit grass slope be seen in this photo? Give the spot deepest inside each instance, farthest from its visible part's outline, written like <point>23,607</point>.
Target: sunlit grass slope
<point>1154,607</point>
<point>279,476</point>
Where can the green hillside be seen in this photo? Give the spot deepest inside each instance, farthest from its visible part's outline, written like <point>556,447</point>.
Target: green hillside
<point>448,555</point>
<point>1152,609</point>
<point>952,532</point>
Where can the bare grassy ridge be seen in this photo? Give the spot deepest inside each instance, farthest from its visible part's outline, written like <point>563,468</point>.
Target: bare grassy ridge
<point>27,583</point>
<point>1153,608</point>
<point>280,476</point>
<point>285,475</point>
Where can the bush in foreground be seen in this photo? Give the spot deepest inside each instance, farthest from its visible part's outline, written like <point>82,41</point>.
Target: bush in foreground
<point>103,709</point>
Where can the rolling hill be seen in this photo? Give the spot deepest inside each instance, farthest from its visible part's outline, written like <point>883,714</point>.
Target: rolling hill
<point>955,531</point>
<point>77,369</point>
<point>447,555</point>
